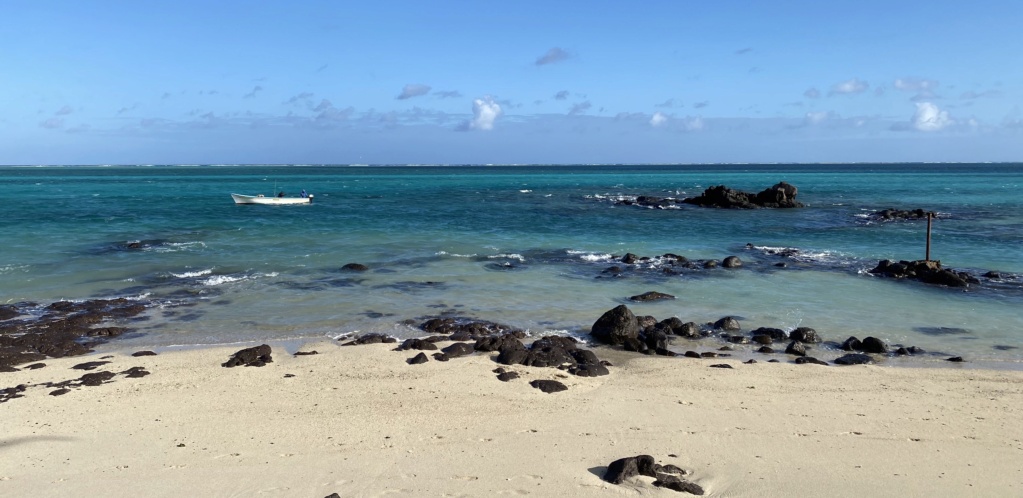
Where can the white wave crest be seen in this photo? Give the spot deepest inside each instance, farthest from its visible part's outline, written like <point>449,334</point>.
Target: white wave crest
<point>193,274</point>
<point>593,257</point>
<point>806,256</point>
<point>180,246</point>
<point>453,255</point>
<point>221,279</point>
<point>519,257</point>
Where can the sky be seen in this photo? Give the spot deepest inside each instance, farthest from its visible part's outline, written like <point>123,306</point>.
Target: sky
<point>523,82</point>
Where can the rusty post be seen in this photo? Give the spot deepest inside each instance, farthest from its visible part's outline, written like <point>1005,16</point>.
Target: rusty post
<point>930,216</point>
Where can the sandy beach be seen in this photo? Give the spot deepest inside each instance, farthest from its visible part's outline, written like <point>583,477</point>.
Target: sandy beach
<point>361,421</point>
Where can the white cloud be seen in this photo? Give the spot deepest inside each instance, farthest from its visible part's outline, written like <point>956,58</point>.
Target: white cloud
<point>812,93</point>
<point>562,95</point>
<point>658,119</point>
<point>413,90</point>
<point>929,117</point>
<point>253,93</point>
<point>915,84</point>
<point>484,112</point>
<point>63,111</point>
<point>849,87</point>
<point>552,56</point>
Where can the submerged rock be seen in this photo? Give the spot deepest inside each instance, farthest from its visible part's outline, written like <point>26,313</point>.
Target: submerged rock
<point>651,296</point>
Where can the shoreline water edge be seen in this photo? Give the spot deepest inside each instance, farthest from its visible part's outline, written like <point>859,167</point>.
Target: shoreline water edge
<point>371,262</point>
<point>482,332</point>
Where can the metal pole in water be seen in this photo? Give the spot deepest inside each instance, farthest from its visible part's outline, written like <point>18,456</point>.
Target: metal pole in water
<point>930,216</point>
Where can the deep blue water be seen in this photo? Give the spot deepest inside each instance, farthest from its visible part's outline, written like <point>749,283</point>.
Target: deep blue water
<point>523,245</point>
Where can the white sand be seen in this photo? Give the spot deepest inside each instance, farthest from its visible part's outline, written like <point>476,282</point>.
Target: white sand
<point>359,421</point>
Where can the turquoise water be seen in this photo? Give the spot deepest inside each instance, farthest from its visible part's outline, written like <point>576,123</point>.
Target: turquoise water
<point>524,245</point>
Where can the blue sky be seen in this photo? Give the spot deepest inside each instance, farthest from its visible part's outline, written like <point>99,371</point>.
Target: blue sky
<point>473,82</point>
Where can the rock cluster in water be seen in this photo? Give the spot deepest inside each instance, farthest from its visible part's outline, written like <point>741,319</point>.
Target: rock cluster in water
<point>925,271</point>
<point>898,214</point>
<point>780,195</point>
<point>66,328</point>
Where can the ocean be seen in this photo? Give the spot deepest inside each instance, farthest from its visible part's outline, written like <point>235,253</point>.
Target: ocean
<point>526,246</point>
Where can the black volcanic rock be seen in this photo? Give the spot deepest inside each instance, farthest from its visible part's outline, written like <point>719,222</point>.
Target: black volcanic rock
<point>495,343</point>
<point>780,195</point>
<point>95,379</point>
<point>727,323</point>
<point>854,359</point>
<point>803,360</point>
<point>898,214</point>
<point>250,357</point>
<point>930,272</point>
<point>796,348</point>
<point>615,326</point>
<point>731,262</point>
<point>507,376</point>
<point>651,296</point>
<point>470,328</point>
<point>417,344</point>
<point>372,338</point>
<point>676,483</point>
<point>623,469</point>
<point>775,334</point>
<point>852,344</point>
<point>548,386</point>
<point>805,335</point>
<point>874,345</point>
<point>458,349</point>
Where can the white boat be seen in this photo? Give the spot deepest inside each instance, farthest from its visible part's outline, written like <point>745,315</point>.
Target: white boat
<point>273,201</point>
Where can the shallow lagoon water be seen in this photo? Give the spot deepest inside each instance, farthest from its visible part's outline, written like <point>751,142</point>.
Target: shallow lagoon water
<point>526,246</point>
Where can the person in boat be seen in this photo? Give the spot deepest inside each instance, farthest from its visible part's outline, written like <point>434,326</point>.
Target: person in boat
<point>304,194</point>
<point>280,194</point>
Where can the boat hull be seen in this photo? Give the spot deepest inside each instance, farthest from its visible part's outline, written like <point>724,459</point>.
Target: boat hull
<point>271,201</point>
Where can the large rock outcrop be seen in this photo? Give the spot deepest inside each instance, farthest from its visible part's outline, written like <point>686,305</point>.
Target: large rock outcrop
<point>616,326</point>
<point>780,195</point>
